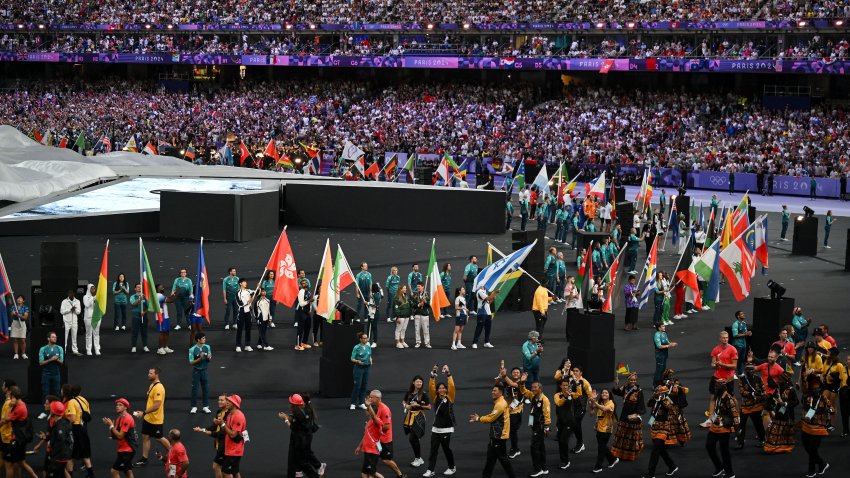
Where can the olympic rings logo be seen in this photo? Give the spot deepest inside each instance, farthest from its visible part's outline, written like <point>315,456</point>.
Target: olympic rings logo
<point>717,180</point>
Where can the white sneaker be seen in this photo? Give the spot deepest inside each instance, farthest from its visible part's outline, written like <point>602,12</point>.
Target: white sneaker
<point>24,356</point>
<point>146,349</point>
<point>15,357</point>
<point>206,410</point>
<point>42,416</point>
<point>168,350</point>
<point>416,346</point>
<point>828,247</point>
<point>176,327</point>
<point>238,349</point>
<point>271,324</point>
<point>427,346</point>
<point>227,327</point>
<point>399,346</point>
<point>429,473</point>
<point>417,462</point>
<point>269,347</point>
<point>248,348</point>
<point>363,406</point>
<point>405,345</point>
<point>450,471</point>
<point>322,469</point>
<point>373,345</point>
<point>460,346</point>
<point>235,326</point>
<point>488,345</point>
<point>612,465</point>
<point>299,474</point>
<point>390,321</point>
<point>475,346</point>
<point>194,410</point>
<point>705,424</point>
<point>352,407</point>
<point>454,347</point>
<point>705,307</point>
<point>160,351</point>
<point>539,473</point>
<point>123,327</point>
<point>133,350</point>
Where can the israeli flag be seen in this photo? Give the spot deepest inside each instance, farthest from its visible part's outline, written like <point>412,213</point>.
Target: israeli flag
<point>490,276</point>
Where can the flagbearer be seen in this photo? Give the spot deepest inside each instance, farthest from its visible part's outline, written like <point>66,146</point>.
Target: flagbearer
<point>364,288</point>
<point>469,274</point>
<point>230,286</point>
<point>92,326</point>
<point>182,292</point>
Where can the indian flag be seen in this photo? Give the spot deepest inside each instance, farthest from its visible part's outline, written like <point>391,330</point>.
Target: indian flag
<point>435,286</point>
<point>327,297</point>
<point>100,295</point>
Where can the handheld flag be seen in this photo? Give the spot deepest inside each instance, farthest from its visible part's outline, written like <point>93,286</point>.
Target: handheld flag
<point>100,296</point>
<point>202,287</point>
<point>598,188</point>
<point>350,152</point>
<point>622,369</point>
<point>372,171</point>
<point>271,151</point>
<point>282,262</point>
<point>649,273</point>
<point>506,283</point>
<point>310,150</point>
<point>689,278</point>
<point>326,302</point>
<point>585,274</point>
<point>442,172</point>
<point>149,148</point>
<point>761,244</point>
<point>314,166</point>
<point>148,284</point>
<point>611,278</point>
<point>244,153</point>
<point>519,175</point>
<point>490,277</point>
<point>343,277</point>
<point>63,143</point>
<point>190,152</point>
<point>450,161</point>
<point>708,267</point>
<point>542,182</point>
<point>131,145</point>
<point>80,143</point>
<point>435,285</point>
<point>408,167</point>
<point>737,263</point>
<point>5,290</point>
<point>390,167</point>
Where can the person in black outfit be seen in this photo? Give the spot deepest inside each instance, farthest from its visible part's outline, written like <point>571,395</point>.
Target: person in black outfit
<point>60,442</point>
<point>752,404</point>
<point>565,419</point>
<point>302,425</point>
<point>442,398</point>
<point>842,187</point>
<point>662,434</point>
<point>217,434</point>
<point>725,420</point>
<point>770,184</point>
<point>760,181</point>
<point>514,399</point>
<point>539,420</point>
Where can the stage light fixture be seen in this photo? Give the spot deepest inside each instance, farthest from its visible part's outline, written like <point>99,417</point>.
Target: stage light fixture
<point>838,23</point>
<point>312,26</point>
<point>808,211</point>
<point>801,23</point>
<point>430,26</point>
<point>600,25</point>
<point>466,26</point>
<point>776,289</point>
<point>630,25</point>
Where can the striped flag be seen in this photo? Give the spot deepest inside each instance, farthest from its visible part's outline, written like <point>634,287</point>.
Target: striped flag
<point>100,297</point>
<point>5,290</point>
<point>146,279</point>
<point>737,263</point>
<point>202,287</point>
<point>326,302</point>
<point>491,276</point>
<point>506,284</point>
<point>390,166</point>
<point>343,277</point>
<point>649,269</point>
<point>435,285</point>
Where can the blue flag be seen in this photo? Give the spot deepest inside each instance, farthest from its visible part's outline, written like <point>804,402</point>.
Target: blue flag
<point>490,277</point>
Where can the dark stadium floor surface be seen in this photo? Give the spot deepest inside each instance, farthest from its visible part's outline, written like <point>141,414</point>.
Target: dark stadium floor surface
<point>265,379</point>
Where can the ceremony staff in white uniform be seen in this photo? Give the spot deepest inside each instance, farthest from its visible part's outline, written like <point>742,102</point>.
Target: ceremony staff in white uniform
<point>70,310</point>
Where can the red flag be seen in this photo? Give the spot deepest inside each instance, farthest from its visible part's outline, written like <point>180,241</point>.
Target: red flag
<point>63,143</point>
<point>243,153</point>
<point>37,135</point>
<point>613,202</point>
<point>689,278</point>
<point>372,171</point>
<point>271,151</point>
<point>612,285</point>
<point>282,263</point>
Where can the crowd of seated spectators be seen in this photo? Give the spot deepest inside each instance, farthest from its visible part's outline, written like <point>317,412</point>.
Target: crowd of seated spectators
<point>57,12</point>
<point>582,124</point>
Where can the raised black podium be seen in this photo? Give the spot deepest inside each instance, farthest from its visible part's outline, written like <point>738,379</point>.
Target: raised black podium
<point>805,237</point>
<point>591,338</point>
<point>336,371</point>
<point>585,238</point>
<point>847,253</point>
<point>769,316</point>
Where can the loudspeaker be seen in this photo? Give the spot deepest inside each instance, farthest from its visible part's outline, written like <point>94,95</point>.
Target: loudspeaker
<point>59,266</point>
<point>683,206</point>
<point>805,237</point>
<point>597,362</point>
<point>525,288</point>
<point>619,195</point>
<point>590,330</point>
<point>751,213</point>
<point>535,259</point>
<point>769,316</point>
<point>625,218</point>
<point>847,253</point>
<point>335,378</point>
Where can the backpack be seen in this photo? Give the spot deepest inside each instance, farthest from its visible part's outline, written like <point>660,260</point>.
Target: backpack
<point>132,438</point>
<point>22,431</point>
<point>86,415</point>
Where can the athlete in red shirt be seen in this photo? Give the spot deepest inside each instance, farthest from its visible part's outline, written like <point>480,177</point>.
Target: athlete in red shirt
<point>724,359</point>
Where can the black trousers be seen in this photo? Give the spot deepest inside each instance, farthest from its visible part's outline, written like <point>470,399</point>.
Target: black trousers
<point>711,443</point>
<point>414,443</point>
<point>318,329</point>
<point>564,432</point>
<point>659,450</point>
<point>516,423</point>
<point>577,428</point>
<point>812,443</point>
<point>485,323</point>
<point>305,329</point>
<point>244,322</point>
<point>443,440</point>
<point>844,403</point>
<point>496,451</point>
<point>539,322</point>
<point>538,451</point>
<point>757,422</point>
<point>262,327</point>
<point>299,458</point>
<point>631,315</point>
<point>602,450</point>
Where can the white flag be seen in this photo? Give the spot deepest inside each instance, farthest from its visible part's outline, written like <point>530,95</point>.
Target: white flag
<point>351,152</point>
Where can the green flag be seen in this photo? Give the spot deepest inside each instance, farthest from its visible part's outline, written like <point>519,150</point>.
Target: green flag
<point>80,143</point>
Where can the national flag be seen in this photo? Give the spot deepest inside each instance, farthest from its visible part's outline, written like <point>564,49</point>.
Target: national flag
<point>569,188</point>
<point>761,244</point>
<point>737,263</point>
<point>710,226</point>
<point>163,147</point>
<point>598,188</point>
<point>708,267</point>
<point>623,369</point>
<point>202,287</point>
<point>310,150</point>
<point>282,262</point>
<point>741,216</point>
<point>585,274</point>
<point>36,134</point>
<point>5,291</point>
<point>408,166</point>
<point>613,199</point>
<point>343,277</point>
<point>148,284</point>
<point>542,183</point>
<point>100,296</point>
<point>450,161</point>
<point>63,143</point>
<point>360,165</point>
<point>131,145</point>
<point>689,278</point>
<point>285,162</point>
<point>435,285</point>
<point>788,368</point>
<point>507,282</point>
<point>611,279</point>
<point>700,216</point>
<point>351,152</point>
<point>47,138</point>
<point>390,167</point>
<point>372,171</point>
<point>244,153</point>
<point>649,269</point>
<point>225,156</point>
<point>80,143</point>
<point>190,152</point>
<point>519,175</point>
<point>326,302</point>
<point>271,151</point>
<point>314,166</point>
<point>490,277</point>
<point>462,169</point>
<point>149,148</point>
<point>442,172</point>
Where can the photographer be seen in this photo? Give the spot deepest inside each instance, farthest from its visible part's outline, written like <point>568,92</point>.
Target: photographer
<point>531,351</point>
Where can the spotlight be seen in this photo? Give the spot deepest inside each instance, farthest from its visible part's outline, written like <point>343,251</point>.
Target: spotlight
<point>430,26</point>
<point>288,26</point>
<point>600,25</point>
<point>799,218</point>
<point>630,25</point>
<point>41,26</point>
<point>776,289</point>
<point>148,26</point>
<point>809,212</point>
<point>170,27</point>
<point>297,160</point>
<point>20,25</point>
<point>801,23</point>
<point>312,26</point>
<point>838,23</point>
<point>466,26</point>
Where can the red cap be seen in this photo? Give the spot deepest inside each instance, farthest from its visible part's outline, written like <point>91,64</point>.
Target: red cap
<point>236,400</point>
<point>124,402</point>
<point>57,408</point>
<point>296,399</point>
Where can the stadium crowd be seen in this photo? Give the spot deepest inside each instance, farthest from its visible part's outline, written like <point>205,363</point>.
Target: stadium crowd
<point>57,12</point>
<point>664,128</point>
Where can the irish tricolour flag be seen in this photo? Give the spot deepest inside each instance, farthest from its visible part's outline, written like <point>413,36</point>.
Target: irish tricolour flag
<point>435,287</point>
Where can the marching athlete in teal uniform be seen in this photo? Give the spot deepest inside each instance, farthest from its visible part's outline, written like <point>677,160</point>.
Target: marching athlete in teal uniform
<point>364,291</point>
<point>229,288</point>
<point>470,272</point>
<point>392,283</point>
<point>182,290</point>
<point>551,269</point>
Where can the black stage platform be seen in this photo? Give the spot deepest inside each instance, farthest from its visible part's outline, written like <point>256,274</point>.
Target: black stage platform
<point>265,379</point>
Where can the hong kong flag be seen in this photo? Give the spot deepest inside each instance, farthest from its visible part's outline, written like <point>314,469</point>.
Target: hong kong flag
<point>282,263</point>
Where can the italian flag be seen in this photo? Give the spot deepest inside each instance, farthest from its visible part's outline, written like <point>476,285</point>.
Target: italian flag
<point>435,288</point>
<point>100,295</point>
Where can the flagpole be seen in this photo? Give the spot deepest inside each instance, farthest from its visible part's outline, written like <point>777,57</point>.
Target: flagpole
<point>691,236</point>
<point>640,277</point>
<point>6,275</point>
<point>428,272</point>
<point>141,279</point>
<point>265,269</point>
